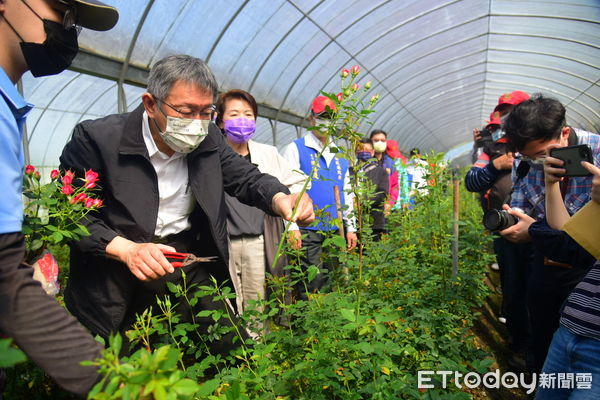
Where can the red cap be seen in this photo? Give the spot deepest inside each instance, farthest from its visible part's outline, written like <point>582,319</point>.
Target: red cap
<point>393,150</point>
<point>494,119</point>
<point>322,104</point>
<point>512,98</point>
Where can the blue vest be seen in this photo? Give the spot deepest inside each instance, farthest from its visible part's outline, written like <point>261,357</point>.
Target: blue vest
<point>323,181</point>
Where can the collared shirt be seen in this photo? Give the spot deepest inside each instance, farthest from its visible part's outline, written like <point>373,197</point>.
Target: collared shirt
<point>290,153</point>
<point>13,112</point>
<point>529,192</point>
<point>176,201</point>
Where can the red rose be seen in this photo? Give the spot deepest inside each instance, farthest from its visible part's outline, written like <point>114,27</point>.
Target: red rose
<point>68,178</point>
<point>37,175</point>
<point>340,96</point>
<point>29,169</point>
<point>54,174</point>
<point>67,189</point>
<point>89,202</point>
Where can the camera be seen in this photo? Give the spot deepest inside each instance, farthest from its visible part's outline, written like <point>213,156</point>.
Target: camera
<point>485,138</point>
<point>498,220</point>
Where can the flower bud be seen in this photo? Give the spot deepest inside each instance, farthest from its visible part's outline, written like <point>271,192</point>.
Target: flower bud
<point>89,202</point>
<point>29,169</point>
<point>355,87</point>
<point>344,73</point>
<point>54,174</point>
<point>355,70</point>
<point>98,203</point>
<point>37,175</point>
<point>374,99</point>
<point>68,178</point>
<point>368,85</point>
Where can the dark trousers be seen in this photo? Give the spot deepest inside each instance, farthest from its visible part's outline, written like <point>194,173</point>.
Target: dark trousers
<point>549,287</point>
<point>514,261</point>
<point>312,248</point>
<point>43,329</point>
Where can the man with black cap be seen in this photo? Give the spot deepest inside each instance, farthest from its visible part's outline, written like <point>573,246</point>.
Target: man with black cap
<point>38,36</point>
<point>332,171</point>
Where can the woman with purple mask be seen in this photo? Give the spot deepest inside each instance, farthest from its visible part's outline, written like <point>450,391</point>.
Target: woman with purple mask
<point>253,234</point>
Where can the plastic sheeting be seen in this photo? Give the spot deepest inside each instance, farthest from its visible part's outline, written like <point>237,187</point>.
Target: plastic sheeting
<point>438,65</point>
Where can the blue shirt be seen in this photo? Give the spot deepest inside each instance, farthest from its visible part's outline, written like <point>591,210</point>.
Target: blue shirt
<point>13,112</point>
<point>530,191</point>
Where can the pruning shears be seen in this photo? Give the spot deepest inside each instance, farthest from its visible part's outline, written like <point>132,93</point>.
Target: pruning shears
<point>179,260</point>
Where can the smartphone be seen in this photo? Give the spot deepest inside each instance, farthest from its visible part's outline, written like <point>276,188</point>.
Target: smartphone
<point>573,156</point>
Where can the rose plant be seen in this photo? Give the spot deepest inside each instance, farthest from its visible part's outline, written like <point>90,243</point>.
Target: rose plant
<point>53,211</point>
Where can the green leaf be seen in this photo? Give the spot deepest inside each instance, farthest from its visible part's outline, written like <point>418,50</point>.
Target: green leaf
<point>36,244</point>
<point>10,356</point>
<point>208,387</point>
<point>186,387</point>
<point>348,314</point>
<point>312,272</point>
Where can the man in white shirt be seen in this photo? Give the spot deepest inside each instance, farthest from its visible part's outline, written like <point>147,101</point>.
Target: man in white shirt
<point>164,169</point>
<point>332,171</point>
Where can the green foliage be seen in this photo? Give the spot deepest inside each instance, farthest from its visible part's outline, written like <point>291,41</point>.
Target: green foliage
<point>10,355</point>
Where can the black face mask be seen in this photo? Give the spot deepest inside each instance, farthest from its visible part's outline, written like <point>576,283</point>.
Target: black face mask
<point>55,54</point>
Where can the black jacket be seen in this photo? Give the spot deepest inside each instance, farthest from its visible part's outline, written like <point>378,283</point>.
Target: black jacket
<point>100,289</point>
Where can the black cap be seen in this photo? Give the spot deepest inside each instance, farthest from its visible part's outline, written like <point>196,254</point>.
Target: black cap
<point>93,14</point>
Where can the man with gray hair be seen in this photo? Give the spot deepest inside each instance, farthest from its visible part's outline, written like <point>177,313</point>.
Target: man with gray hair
<point>164,169</point>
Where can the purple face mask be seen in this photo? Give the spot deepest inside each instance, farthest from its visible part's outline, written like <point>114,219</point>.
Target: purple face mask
<point>239,130</point>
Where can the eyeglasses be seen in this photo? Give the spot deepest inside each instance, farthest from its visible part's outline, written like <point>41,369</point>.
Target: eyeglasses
<point>69,17</point>
<point>207,113</point>
<point>537,160</point>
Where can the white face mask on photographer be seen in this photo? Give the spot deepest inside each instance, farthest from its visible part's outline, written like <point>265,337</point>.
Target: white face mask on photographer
<point>379,146</point>
<point>184,135</point>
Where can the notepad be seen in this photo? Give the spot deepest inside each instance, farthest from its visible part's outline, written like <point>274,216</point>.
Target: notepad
<point>584,228</point>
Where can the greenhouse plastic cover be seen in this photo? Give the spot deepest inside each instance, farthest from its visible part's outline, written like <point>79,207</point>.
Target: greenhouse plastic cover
<point>439,66</point>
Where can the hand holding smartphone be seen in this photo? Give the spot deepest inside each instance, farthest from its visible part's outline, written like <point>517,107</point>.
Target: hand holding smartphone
<point>572,156</point>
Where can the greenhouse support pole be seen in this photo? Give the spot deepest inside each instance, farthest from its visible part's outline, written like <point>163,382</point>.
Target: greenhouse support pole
<point>338,206</point>
<point>455,196</point>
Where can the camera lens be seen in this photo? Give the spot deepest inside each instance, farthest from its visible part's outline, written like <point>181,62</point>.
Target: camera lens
<point>498,220</point>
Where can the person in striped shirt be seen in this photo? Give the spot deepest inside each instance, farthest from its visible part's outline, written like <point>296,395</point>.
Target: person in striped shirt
<point>575,347</point>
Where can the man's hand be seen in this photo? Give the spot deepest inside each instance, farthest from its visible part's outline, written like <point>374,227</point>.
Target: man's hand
<point>552,166</point>
<point>503,162</point>
<point>295,239</point>
<point>283,204</point>
<point>518,233</point>
<point>476,135</point>
<point>145,260</point>
<point>595,181</point>
<point>351,240</point>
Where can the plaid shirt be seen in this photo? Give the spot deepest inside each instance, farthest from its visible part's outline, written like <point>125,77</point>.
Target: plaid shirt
<point>530,191</point>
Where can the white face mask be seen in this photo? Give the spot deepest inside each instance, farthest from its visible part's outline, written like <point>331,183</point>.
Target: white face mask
<point>184,135</point>
<point>379,147</point>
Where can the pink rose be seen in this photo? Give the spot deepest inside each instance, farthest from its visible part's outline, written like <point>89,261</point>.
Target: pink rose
<point>89,202</point>
<point>29,169</point>
<point>67,189</point>
<point>81,197</point>
<point>340,96</point>
<point>355,70</point>
<point>344,73</point>
<point>54,174</point>
<point>98,203</point>
<point>68,178</point>
<point>90,185</point>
